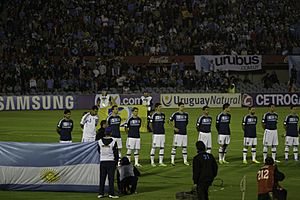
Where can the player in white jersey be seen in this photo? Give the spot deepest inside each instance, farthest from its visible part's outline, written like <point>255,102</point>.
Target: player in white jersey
<point>103,100</point>
<point>88,124</point>
<point>147,101</point>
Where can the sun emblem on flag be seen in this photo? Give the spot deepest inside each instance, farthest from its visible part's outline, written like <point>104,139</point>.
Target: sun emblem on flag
<point>166,100</point>
<point>50,175</point>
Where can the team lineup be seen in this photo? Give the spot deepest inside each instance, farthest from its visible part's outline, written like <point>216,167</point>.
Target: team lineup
<point>178,121</point>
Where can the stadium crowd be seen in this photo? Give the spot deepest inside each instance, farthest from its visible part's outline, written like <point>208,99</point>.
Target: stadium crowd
<point>32,33</point>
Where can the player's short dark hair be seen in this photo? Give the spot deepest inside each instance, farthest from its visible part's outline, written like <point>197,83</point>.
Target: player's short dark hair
<point>293,106</point>
<point>66,111</point>
<point>200,146</point>
<point>134,108</point>
<point>204,107</point>
<point>124,161</point>
<point>108,131</point>
<point>269,161</point>
<point>94,107</point>
<point>271,104</point>
<point>157,104</point>
<point>226,105</point>
<point>114,106</point>
<point>180,103</point>
<point>102,123</point>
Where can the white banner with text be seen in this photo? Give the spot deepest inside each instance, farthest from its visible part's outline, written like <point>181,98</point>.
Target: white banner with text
<point>228,62</point>
<point>198,100</point>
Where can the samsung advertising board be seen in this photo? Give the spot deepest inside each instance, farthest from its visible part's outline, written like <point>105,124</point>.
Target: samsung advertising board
<point>46,102</point>
<point>264,99</point>
<point>198,100</point>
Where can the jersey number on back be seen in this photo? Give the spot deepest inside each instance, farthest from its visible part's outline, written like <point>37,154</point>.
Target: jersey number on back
<point>263,174</point>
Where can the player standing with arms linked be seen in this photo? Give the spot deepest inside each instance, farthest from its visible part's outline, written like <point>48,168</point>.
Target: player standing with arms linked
<point>292,134</point>
<point>65,127</point>
<point>114,122</point>
<point>88,124</point>
<point>223,128</point>
<point>157,122</point>
<point>250,139</point>
<point>269,124</point>
<point>203,126</point>
<point>179,121</point>
<point>132,128</point>
<point>147,101</point>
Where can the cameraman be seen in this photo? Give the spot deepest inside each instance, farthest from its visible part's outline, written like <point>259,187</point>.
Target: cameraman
<point>267,181</point>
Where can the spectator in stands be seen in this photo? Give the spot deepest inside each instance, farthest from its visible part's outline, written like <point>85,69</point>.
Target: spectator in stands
<point>292,86</point>
<point>37,40</point>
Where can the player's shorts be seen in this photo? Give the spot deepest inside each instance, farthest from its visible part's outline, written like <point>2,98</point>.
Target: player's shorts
<point>158,140</point>
<point>180,140</point>
<point>291,141</point>
<point>205,138</point>
<point>248,142</point>
<point>133,143</point>
<point>88,139</point>
<point>119,142</point>
<point>65,141</point>
<point>270,138</point>
<point>223,139</point>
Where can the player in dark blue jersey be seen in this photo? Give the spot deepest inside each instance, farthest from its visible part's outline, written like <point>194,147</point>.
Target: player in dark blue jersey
<point>132,128</point>
<point>269,124</point>
<point>223,128</point>
<point>65,127</point>
<point>291,134</point>
<point>114,122</point>
<point>250,138</point>
<point>203,127</point>
<point>157,125</point>
<point>179,121</point>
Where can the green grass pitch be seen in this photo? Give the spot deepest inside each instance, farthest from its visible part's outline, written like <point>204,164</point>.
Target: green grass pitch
<point>158,182</point>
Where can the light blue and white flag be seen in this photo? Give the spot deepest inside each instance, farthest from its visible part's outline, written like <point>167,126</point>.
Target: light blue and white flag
<point>49,167</point>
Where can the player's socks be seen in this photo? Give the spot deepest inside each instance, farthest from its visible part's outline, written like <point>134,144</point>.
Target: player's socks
<point>152,154</point>
<point>224,155</point>
<point>184,154</point>
<point>128,154</point>
<point>136,157</point>
<point>274,153</point>
<point>295,150</point>
<point>286,153</point>
<point>265,153</point>
<point>221,155</point>
<point>161,154</point>
<point>244,154</point>
<point>253,151</point>
<point>173,153</point>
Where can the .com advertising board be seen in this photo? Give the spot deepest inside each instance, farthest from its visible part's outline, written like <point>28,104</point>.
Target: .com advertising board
<point>264,99</point>
<point>198,100</point>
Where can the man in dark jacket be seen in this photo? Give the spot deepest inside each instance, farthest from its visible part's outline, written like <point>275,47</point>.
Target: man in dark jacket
<point>205,169</point>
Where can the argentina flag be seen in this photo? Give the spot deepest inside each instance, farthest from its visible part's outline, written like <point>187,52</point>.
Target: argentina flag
<point>49,167</point>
